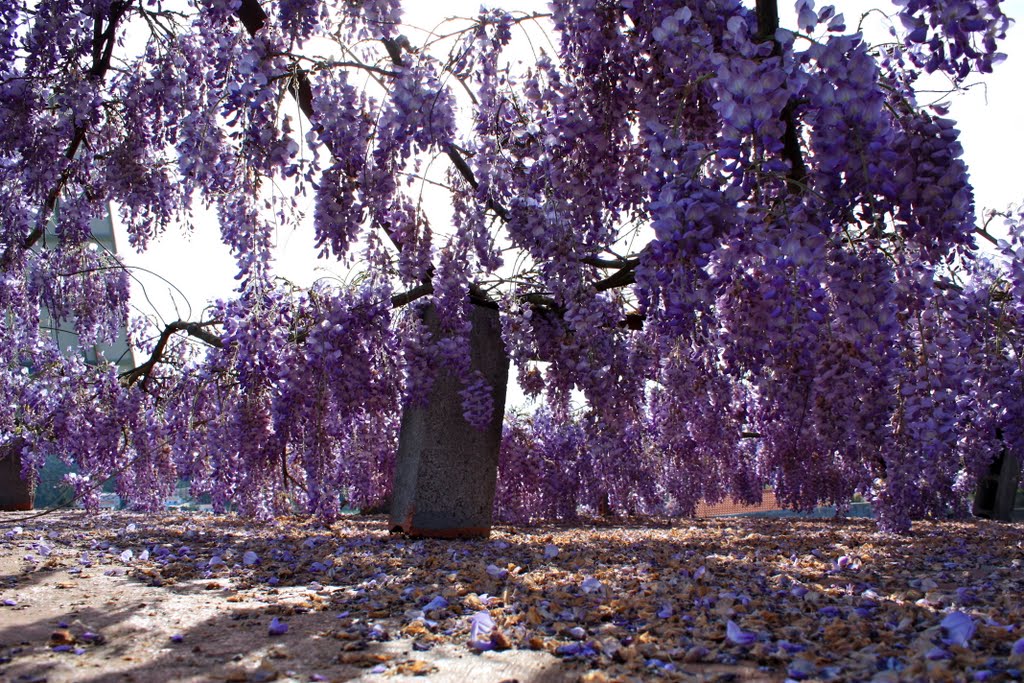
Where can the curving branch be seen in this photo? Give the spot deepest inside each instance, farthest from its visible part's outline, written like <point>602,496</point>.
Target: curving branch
<point>197,330</point>
<point>626,275</point>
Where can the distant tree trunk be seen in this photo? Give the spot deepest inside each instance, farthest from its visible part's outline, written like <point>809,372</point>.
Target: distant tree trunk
<point>447,469</point>
<point>15,493</point>
<point>997,491</point>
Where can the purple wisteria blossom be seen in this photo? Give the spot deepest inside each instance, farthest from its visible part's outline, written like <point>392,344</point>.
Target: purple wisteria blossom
<point>727,252</point>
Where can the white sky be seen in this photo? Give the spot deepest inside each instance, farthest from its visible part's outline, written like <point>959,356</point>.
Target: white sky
<point>200,266</point>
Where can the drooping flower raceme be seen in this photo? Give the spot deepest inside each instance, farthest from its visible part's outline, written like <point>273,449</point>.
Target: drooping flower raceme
<point>727,253</point>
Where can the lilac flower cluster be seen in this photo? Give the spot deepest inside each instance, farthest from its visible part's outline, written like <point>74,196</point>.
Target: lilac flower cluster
<point>726,256</point>
<point>954,37</point>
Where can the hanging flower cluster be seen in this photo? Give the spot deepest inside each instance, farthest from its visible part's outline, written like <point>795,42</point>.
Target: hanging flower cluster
<point>728,254</point>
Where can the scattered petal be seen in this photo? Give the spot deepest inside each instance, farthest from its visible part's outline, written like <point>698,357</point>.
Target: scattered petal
<point>568,649</point>
<point>738,636</point>
<point>277,627</point>
<point>958,628</point>
<point>480,626</point>
<point>437,603</point>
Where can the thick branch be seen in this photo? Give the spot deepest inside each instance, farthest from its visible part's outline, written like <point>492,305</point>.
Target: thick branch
<point>621,278</point>
<point>407,297</point>
<point>767,26</point>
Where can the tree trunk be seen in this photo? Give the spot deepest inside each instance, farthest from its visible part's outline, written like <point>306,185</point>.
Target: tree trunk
<point>15,493</point>
<point>446,470</point>
<point>997,491</point>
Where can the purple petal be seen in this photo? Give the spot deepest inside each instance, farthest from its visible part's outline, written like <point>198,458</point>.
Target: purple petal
<point>958,628</point>
<point>437,603</point>
<point>1018,647</point>
<point>738,636</point>
<point>277,627</point>
<point>250,558</point>
<point>480,626</point>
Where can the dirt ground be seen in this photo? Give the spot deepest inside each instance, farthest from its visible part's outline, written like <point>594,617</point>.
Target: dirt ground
<point>195,597</point>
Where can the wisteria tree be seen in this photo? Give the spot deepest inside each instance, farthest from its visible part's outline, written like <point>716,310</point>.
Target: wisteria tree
<point>727,253</point>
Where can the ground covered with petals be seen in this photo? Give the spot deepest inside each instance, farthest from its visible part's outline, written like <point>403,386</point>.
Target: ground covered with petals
<point>192,597</point>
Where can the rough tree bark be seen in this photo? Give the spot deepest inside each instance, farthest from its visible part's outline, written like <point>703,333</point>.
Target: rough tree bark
<point>446,470</point>
<point>15,493</point>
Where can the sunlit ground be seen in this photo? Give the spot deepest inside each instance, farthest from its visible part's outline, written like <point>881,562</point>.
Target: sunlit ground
<point>122,596</point>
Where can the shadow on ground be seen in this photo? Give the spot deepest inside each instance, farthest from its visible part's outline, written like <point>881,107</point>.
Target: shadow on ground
<point>812,598</point>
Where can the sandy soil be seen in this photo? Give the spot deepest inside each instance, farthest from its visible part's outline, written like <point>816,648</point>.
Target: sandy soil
<point>125,597</point>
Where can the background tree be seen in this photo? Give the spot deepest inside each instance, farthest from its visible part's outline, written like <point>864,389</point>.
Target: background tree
<point>747,247</point>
